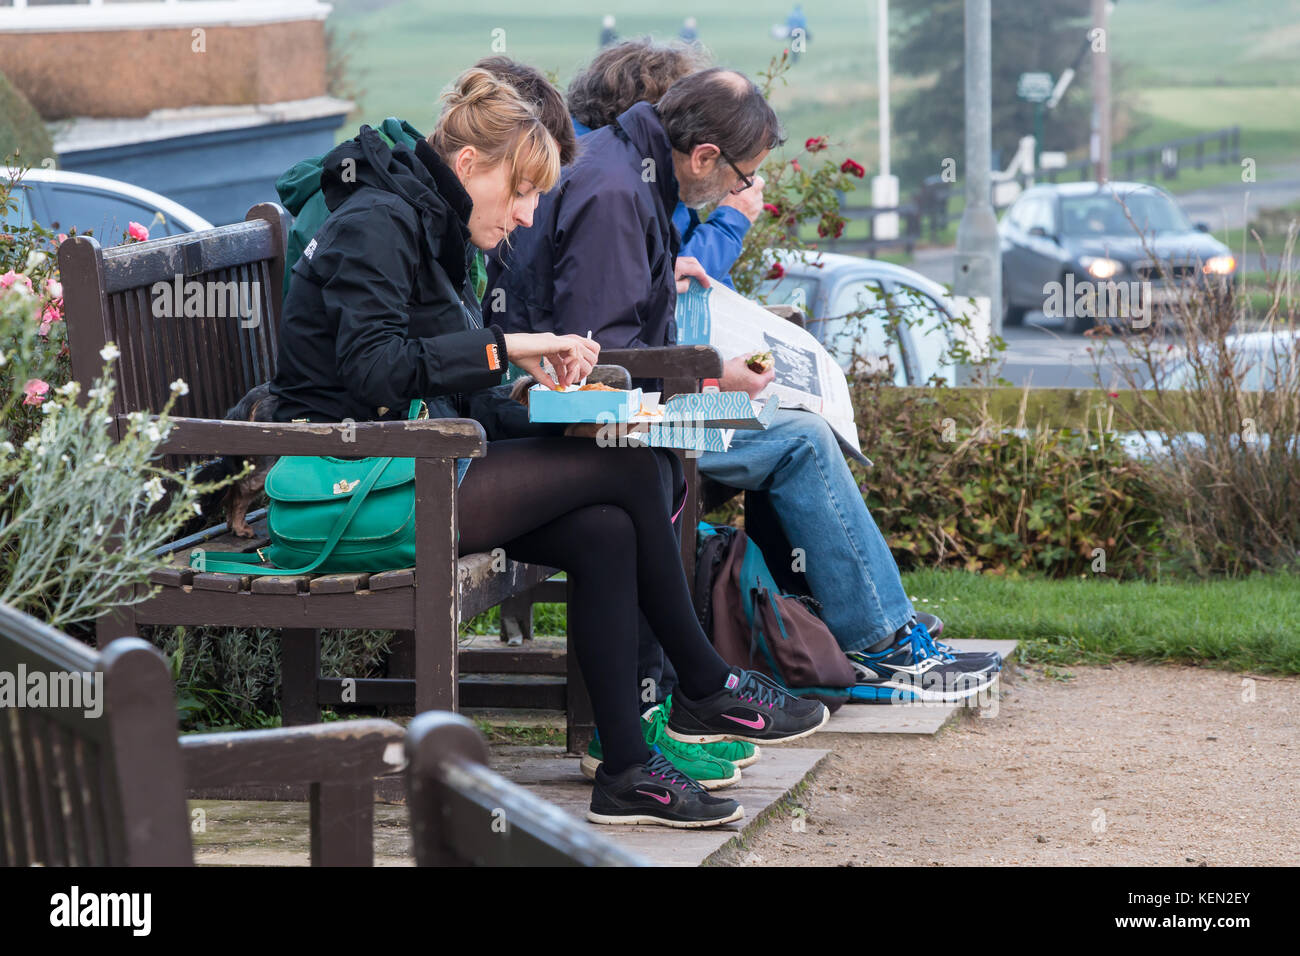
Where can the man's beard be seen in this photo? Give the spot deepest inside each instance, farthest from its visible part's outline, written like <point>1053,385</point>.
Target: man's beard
<point>706,192</point>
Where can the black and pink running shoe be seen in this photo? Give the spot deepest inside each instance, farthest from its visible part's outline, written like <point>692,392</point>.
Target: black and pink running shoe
<point>750,707</point>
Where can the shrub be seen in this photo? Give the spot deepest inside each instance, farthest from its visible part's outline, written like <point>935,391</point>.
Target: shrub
<point>1225,465</point>
<point>21,129</point>
<point>980,495</point>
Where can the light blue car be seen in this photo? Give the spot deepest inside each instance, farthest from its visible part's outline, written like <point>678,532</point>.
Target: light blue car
<point>830,288</point>
<point>63,201</point>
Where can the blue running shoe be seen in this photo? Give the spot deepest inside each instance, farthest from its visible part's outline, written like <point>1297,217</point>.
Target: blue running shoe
<point>934,624</point>
<point>913,664</point>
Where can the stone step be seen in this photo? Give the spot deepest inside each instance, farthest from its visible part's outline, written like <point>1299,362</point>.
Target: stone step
<point>275,833</point>
<point>555,777</point>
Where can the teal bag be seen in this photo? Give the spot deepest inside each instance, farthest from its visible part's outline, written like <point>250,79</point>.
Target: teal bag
<point>333,515</point>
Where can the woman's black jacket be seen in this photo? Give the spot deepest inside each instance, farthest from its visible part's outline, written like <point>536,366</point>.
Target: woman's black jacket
<point>381,310</point>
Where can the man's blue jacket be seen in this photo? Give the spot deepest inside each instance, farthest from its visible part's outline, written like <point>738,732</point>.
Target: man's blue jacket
<point>716,242</point>
<point>599,255</point>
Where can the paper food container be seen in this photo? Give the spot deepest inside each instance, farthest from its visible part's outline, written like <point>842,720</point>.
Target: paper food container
<point>574,406</point>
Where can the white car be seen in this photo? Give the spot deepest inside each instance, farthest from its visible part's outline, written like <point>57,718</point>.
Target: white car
<point>63,201</point>
<point>831,287</point>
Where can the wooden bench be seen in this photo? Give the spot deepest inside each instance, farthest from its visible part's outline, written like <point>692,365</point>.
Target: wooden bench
<point>102,781</point>
<point>221,355</point>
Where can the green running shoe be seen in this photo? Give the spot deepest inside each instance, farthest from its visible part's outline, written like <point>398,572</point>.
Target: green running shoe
<point>710,772</point>
<point>740,752</point>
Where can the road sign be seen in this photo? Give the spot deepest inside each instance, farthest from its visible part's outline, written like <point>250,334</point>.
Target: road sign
<point>1034,87</point>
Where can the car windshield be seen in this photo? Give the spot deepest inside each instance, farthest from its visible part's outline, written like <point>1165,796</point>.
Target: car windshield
<point>1103,214</point>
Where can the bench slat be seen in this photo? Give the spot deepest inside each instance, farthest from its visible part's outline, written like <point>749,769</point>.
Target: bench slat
<point>338,583</point>
<point>281,584</point>
<point>217,581</point>
<point>403,578</point>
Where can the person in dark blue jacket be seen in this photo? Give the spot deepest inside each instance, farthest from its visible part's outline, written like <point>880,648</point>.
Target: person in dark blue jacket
<point>640,71</point>
<point>383,311</point>
<point>599,257</point>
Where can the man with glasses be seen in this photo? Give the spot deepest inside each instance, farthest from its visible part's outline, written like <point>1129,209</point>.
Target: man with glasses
<point>602,255</point>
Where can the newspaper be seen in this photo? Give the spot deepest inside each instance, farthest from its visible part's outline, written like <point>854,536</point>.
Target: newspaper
<point>806,375</point>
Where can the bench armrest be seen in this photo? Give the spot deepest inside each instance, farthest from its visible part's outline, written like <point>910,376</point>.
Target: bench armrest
<point>423,438</point>
<point>669,361</point>
<point>344,751</point>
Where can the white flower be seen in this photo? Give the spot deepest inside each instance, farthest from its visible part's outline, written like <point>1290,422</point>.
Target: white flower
<point>47,407</point>
<point>31,443</point>
<point>108,419</point>
<point>198,508</point>
<point>99,457</point>
<point>70,389</point>
<point>7,447</point>
<point>153,489</point>
<point>92,393</point>
<point>179,387</point>
<point>3,357</point>
<point>152,433</point>
<point>109,352</point>
<point>97,530</point>
<point>65,459</point>
<point>34,259</point>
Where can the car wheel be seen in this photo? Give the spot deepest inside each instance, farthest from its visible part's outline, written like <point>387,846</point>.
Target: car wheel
<point>1012,315</point>
<point>1076,324</point>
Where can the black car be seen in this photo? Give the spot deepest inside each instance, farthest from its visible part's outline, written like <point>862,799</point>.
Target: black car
<point>1084,252</point>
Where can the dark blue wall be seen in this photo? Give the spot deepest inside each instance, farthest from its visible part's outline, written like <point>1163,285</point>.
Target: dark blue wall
<point>217,174</point>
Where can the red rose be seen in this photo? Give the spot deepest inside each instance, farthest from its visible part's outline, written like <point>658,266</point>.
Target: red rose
<point>776,272</point>
<point>815,144</point>
<point>856,169</point>
<point>771,210</point>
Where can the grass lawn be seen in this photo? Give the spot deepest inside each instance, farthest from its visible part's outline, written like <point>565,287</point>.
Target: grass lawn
<point>1251,624</point>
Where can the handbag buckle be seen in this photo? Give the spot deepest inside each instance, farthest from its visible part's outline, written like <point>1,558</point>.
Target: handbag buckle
<point>343,486</point>
<point>260,556</point>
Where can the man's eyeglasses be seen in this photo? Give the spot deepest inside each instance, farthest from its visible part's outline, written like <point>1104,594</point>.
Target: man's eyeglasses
<point>745,181</point>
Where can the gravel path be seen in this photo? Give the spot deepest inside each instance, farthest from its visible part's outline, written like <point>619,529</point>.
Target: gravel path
<point>1120,765</point>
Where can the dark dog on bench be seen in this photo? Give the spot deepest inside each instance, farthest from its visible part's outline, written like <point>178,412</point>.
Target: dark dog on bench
<point>257,406</point>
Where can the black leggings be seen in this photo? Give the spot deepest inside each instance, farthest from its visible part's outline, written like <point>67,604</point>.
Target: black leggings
<point>603,516</point>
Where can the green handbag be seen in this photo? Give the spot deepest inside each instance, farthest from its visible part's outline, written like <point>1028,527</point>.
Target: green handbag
<point>333,515</point>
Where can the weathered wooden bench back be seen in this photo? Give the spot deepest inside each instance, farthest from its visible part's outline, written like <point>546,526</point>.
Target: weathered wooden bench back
<point>203,307</point>
<point>98,784</point>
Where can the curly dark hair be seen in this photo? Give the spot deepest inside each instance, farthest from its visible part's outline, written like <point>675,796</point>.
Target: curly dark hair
<point>535,88</point>
<point>628,73</point>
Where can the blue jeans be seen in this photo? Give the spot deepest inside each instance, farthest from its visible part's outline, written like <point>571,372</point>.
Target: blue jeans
<point>798,462</point>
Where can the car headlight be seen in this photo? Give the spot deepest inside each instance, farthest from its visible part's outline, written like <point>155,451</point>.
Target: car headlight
<point>1100,267</point>
<point>1219,265</point>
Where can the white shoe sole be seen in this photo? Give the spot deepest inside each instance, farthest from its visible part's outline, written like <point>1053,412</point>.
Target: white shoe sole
<point>643,820</point>
<point>931,696</point>
<point>758,752</point>
<point>714,738</point>
<point>590,763</point>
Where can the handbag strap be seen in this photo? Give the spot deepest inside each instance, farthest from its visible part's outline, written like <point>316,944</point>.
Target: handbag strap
<point>243,563</point>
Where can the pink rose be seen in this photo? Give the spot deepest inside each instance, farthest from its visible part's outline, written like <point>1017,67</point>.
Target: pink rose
<point>49,315</point>
<point>54,288</point>
<point>137,232</point>
<point>10,277</point>
<point>34,391</point>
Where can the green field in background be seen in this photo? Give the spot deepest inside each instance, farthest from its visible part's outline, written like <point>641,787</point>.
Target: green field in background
<point>1193,65</point>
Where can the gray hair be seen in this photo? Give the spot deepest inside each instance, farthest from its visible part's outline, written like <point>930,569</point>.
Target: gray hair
<point>721,107</point>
